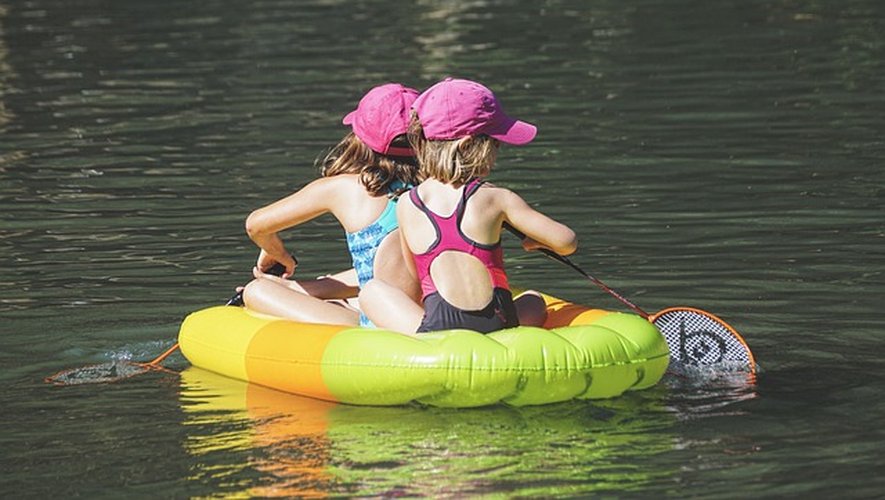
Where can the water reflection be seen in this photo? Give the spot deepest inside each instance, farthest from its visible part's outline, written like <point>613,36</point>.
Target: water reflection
<point>697,392</point>
<point>302,447</point>
<point>442,40</point>
<point>6,74</point>
<point>283,436</point>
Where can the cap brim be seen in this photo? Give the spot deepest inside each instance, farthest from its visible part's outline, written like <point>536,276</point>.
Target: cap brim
<point>349,117</point>
<point>514,132</point>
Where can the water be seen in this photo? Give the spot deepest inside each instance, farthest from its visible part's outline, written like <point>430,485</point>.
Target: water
<point>725,155</point>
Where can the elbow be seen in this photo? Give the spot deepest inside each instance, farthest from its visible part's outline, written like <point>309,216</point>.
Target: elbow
<point>253,225</point>
<point>569,244</point>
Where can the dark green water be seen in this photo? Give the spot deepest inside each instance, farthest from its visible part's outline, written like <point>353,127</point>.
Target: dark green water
<point>721,154</point>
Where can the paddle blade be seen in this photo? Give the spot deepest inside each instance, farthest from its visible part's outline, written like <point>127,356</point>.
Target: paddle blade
<point>99,374</point>
<point>696,337</point>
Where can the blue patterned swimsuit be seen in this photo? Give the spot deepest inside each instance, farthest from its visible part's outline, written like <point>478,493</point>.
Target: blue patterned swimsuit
<point>363,244</point>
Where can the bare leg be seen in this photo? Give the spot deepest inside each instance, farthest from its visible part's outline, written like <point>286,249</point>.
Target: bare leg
<point>341,285</point>
<point>390,308</point>
<point>530,308</point>
<point>272,297</point>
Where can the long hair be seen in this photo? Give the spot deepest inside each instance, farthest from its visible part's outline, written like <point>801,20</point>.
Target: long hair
<point>455,161</point>
<point>377,171</point>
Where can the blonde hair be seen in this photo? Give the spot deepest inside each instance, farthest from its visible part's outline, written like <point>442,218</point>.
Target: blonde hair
<point>377,171</point>
<point>455,161</point>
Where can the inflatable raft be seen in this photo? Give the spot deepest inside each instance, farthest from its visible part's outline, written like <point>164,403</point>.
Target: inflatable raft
<point>580,353</point>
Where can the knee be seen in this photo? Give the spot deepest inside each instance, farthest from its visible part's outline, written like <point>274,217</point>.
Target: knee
<point>531,309</point>
<point>366,289</point>
<point>370,291</point>
<point>253,290</point>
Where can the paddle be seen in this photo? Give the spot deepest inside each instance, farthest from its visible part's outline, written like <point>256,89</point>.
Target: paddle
<point>694,336</point>
<point>120,369</point>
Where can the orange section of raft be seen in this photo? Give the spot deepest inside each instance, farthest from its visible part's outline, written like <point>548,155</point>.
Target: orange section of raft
<point>304,376</point>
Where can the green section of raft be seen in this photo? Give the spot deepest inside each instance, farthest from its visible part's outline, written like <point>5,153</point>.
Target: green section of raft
<point>520,366</point>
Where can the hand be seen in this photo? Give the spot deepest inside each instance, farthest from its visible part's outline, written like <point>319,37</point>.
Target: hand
<point>266,263</point>
<point>259,274</point>
<point>530,245</point>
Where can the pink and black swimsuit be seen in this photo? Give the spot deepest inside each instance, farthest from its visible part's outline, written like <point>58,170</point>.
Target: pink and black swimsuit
<point>438,313</point>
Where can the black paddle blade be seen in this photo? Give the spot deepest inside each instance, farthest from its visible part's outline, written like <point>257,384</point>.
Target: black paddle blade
<point>696,337</point>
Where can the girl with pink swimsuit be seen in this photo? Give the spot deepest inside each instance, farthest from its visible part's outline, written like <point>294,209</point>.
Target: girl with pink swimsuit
<point>451,223</point>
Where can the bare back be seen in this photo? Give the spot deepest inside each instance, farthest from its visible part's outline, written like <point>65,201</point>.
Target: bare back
<point>357,210</point>
<point>461,278</point>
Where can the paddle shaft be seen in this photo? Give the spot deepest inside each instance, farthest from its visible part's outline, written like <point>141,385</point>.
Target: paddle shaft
<point>565,260</point>
<point>237,300</point>
<point>159,359</point>
<point>730,334</point>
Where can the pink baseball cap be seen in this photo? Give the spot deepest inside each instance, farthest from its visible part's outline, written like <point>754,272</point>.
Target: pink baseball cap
<point>382,114</point>
<point>454,108</point>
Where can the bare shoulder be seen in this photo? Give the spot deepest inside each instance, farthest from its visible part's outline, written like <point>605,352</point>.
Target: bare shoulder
<point>405,204</point>
<point>496,195</point>
<point>343,181</point>
<point>495,189</point>
<point>339,187</point>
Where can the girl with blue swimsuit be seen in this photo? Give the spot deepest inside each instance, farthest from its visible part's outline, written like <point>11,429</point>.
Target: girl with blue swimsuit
<point>362,178</point>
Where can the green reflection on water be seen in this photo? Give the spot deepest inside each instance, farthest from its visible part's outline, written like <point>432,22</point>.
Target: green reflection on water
<point>280,444</point>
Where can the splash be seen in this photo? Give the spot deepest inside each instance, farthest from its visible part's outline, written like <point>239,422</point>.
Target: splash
<point>99,373</point>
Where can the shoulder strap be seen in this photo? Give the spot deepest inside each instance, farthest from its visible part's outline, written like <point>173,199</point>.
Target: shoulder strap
<point>432,217</point>
<point>469,189</point>
<point>472,186</point>
<point>413,195</point>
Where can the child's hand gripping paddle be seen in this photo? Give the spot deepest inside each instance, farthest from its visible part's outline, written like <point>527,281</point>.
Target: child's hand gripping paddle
<point>695,337</point>
<point>120,369</point>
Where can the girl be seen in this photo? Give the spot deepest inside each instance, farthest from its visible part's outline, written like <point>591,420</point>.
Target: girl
<point>451,223</point>
<point>361,180</point>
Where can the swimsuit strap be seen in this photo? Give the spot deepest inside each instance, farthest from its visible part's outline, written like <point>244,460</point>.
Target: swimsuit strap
<point>468,190</point>
<point>450,237</point>
<point>432,216</point>
<point>471,187</point>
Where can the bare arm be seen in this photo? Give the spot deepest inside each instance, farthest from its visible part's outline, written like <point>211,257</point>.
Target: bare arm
<point>541,229</point>
<point>263,224</point>
<point>408,256</point>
